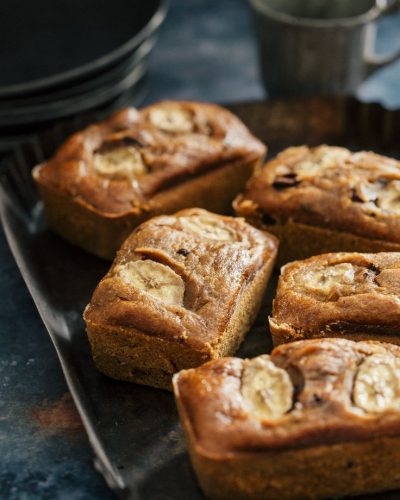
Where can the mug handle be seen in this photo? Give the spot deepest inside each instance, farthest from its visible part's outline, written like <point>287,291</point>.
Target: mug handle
<point>374,61</point>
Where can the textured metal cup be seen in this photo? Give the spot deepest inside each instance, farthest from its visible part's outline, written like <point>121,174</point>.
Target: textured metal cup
<point>318,46</point>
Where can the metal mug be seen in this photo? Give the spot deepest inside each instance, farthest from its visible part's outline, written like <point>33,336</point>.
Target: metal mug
<point>318,46</point>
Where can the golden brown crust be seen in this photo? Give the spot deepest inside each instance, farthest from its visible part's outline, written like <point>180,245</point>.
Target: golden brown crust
<point>322,371</point>
<point>327,187</point>
<point>349,295</point>
<point>166,157</point>
<point>333,430</point>
<point>127,169</point>
<point>201,265</point>
<point>103,235</point>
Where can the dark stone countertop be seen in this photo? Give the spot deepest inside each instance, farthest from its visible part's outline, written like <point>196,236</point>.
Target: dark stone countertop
<point>206,51</point>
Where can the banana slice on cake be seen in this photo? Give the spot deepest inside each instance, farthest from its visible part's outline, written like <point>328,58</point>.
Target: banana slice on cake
<point>171,119</point>
<point>160,281</point>
<point>322,280</point>
<point>390,198</point>
<point>121,162</point>
<point>319,160</point>
<point>368,191</point>
<point>267,389</point>
<point>377,384</point>
<point>208,228</point>
<point>308,170</point>
<point>331,155</point>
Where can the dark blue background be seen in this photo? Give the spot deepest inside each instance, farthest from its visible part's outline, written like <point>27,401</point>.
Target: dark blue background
<point>206,51</point>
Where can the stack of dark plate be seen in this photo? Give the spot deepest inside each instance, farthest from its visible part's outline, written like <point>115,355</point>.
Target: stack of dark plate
<point>65,57</point>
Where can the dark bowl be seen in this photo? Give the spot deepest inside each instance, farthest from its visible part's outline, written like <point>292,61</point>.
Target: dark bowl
<point>112,76</point>
<point>35,113</point>
<point>92,36</point>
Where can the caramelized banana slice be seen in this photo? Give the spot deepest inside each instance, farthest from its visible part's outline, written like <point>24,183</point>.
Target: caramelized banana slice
<point>209,228</point>
<point>377,384</point>
<point>307,170</point>
<point>158,280</point>
<point>330,155</point>
<point>324,279</point>
<point>389,199</point>
<point>121,162</point>
<point>322,159</point>
<point>267,389</point>
<point>171,119</point>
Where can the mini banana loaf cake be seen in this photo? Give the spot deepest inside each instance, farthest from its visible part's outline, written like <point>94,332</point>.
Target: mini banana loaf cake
<point>184,289</point>
<point>109,178</point>
<point>315,419</point>
<point>326,199</point>
<point>349,295</point>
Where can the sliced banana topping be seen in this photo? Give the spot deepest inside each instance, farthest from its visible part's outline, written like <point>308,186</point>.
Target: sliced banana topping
<point>389,199</point>
<point>267,389</point>
<point>171,119</point>
<point>307,169</point>
<point>377,384</point>
<point>124,162</point>
<point>329,155</point>
<point>323,279</point>
<point>158,280</point>
<point>321,159</point>
<point>208,228</point>
<point>368,191</point>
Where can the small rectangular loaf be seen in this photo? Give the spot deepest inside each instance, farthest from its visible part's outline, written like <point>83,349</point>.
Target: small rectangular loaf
<point>326,199</point>
<point>109,178</point>
<point>349,295</point>
<point>183,289</point>
<point>315,419</point>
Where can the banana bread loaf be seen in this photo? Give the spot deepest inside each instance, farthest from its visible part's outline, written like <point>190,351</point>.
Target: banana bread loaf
<point>109,178</point>
<point>326,199</point>
<point>349,295</point>
<point>315,419</point>
<point>183,289</point>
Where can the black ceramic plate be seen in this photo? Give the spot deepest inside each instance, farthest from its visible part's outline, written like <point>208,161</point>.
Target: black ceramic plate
<point>45,43</point>
<point>134,430</point>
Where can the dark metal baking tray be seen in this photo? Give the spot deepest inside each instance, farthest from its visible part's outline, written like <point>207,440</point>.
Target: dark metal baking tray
<point>134,430</point>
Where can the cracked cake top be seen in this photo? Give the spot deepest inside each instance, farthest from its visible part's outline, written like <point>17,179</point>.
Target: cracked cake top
<point>116,166</point>
<point>305,393</point>
<point>330,187</point>
<point>179,277</point>
<point>352,292</point>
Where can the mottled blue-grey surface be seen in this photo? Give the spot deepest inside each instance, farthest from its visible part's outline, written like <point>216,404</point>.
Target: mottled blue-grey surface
<point>206,51</point>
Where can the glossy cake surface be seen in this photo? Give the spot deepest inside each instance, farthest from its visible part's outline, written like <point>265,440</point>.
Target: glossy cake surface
<point>326,199</point>
<point>110,177</point>
<point>349,295</point>
<point>315,419</point>
<point>183,289</point>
